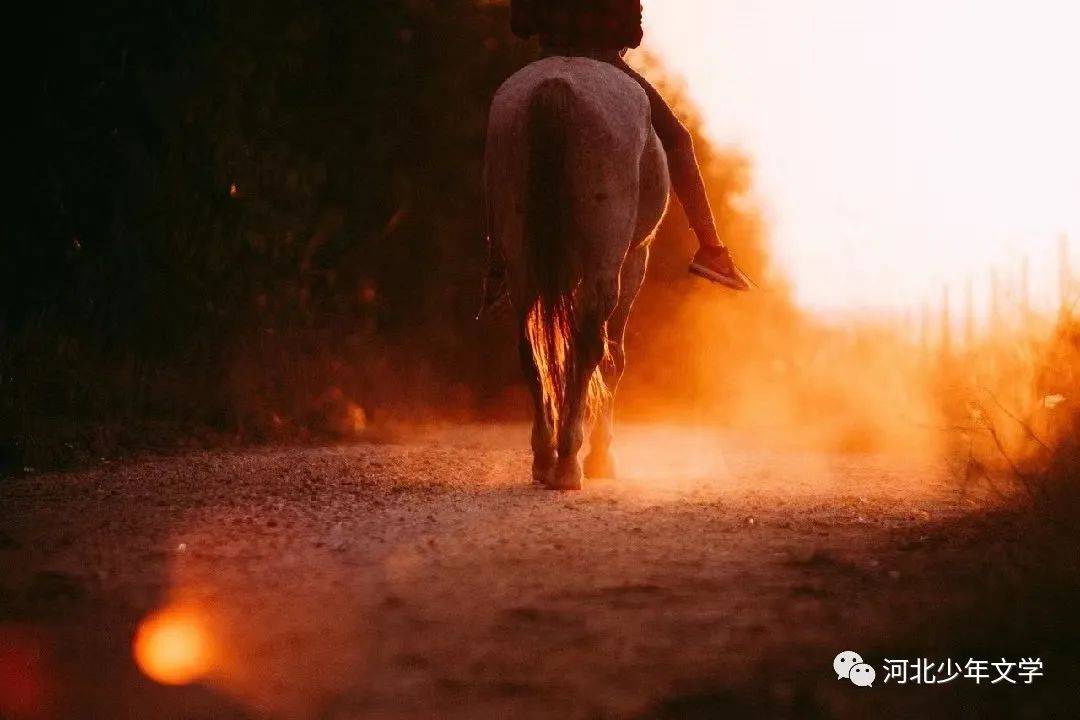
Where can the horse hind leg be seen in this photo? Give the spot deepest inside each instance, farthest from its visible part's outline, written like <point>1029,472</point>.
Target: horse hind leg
<point>595,304</point>
<point>543,430</point>
<point>600,462</point>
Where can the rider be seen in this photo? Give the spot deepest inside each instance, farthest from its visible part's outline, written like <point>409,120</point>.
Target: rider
<point>603,30</point>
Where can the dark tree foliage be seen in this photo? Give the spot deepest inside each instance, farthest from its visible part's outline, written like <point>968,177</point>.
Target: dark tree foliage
<point>220,199</point>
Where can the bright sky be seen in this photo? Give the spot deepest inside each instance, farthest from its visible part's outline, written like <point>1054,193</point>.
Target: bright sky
<point>898,145</point>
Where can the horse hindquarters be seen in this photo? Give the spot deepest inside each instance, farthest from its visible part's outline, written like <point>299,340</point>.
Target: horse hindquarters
<point>564,144</point>
<point>565,323</point>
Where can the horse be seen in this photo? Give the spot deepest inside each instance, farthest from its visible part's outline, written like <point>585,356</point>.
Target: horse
<point>576,183</point>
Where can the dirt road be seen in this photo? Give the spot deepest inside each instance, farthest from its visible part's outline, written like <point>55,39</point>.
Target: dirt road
<point>426,578</point>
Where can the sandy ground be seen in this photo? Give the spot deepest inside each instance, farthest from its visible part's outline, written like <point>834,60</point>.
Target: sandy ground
<point>427,578</point>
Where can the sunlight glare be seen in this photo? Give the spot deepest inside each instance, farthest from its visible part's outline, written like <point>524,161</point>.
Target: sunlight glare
<point>897,146</point>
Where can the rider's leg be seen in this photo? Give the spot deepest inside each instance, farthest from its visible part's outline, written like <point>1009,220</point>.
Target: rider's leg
<point>713,260</point>
<point>682,161</point>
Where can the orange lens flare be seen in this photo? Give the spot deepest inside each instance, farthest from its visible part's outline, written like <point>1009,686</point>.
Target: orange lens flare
<point>172,647</point>
<point>22,678</point>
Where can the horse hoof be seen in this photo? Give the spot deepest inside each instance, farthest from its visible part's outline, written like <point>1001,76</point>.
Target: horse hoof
<point>600,465</point>
<point>543,470</point>
<point>567,476</point>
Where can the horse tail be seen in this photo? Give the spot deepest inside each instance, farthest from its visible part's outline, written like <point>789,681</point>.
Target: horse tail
<point>552,244</point>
